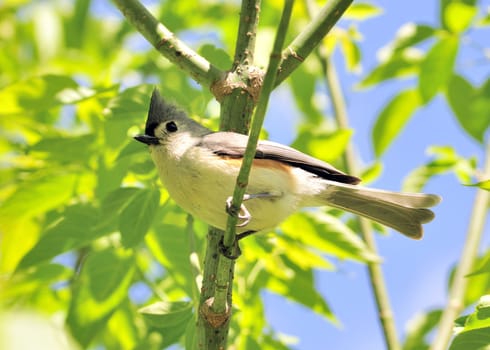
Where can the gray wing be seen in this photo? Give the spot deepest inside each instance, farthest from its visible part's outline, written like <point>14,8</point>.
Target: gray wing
<point>230,144</point>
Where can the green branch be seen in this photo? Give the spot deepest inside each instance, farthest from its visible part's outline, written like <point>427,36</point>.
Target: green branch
<point>222,279</point>
<point>236,109</point>
<point>376,277</point>
<point>267,87</point>
<point>459,284</point>
<point>310,37</point>
<point>378,284</point>
<point>168,44</point>
<point>247,32</point>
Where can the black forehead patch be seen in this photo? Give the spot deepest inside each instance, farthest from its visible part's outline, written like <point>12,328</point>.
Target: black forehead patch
<point>150,128</point>
<point>160,112</point>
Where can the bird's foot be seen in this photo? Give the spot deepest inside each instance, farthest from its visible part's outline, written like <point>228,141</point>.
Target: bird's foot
<point>241,214</point>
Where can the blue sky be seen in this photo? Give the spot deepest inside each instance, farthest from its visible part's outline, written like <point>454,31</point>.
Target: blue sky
<point>416,271</point>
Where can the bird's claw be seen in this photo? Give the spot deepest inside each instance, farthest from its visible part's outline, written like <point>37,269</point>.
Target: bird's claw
<point>242,214</point>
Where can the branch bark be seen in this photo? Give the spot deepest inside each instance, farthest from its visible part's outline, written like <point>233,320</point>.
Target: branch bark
<point>168,44</point>
<point>457,290</point>
<point>376,276</point>
<point>236,110</point>
<point>309,38</point>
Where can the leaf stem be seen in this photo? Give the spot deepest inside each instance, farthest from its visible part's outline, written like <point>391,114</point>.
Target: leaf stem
<point>258,119</point>
<point>168,44</point>
<point>375,271</point>
<point>308,39</point>
<point>457,290</point>
<point>236,108</point>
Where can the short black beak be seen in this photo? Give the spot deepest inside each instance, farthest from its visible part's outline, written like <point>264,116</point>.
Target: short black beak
<point>149,140</point>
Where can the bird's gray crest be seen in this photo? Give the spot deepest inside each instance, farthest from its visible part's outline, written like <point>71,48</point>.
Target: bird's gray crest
<point>159,112</point>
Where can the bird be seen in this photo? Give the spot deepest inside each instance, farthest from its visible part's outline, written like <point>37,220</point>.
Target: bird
<point>199,168</point>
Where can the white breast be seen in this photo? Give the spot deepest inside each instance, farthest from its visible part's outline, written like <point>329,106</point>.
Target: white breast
<point>200,182</point>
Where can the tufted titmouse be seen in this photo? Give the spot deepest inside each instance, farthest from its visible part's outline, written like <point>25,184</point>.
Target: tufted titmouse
<point>199,168</point>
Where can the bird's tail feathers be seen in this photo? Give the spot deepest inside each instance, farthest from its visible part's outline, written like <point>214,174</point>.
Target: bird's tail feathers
<point>404,212</point>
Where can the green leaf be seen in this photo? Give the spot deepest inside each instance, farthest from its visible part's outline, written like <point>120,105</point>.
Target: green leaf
<point>485,185</point>
<point>303,85</point>
<point>300,254</point>
<point>300,287</point>
<point>437,67</point>
<point>325,145</point>
<point>113,204</point>
<point>327,234</point>
<point>372,172</point>
<point>458,15</point>
<point>470,105</point>
<point>393,118</point>
<point>475,334</point>
<point>136,218</point>
<point>362,10</point>
<point>101,286</point>
<point>479,280</point>
<point>352,53</point>
<point>484,21</point>
<point>38,195</point>
<point>163,314</point>
<point>484,267</point>
<point>403,63</point>
<point>419,328</point>
<point>170,319</point>
<point>216,56</point>
<point>74,230</point>
<point>445,160</point>
<point>410,34</point>
<point>41,93</point>
<point>72,149</point>
<point>28,282</point>
<point>169,244</point>
<point>131,104</point>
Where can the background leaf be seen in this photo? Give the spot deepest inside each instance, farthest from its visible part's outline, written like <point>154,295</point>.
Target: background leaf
<point>437,67</point>
<point>100,288</point>
<point>471,106</point>
<point>136,218</point>
<point>393,118</point>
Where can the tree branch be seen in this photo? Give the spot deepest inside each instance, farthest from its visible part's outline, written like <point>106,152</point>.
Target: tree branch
<point>220,304</point>
<point>247,32</point>
<point>376,277</point>
<point>459,285</point>
<point>168,44</point>
<point>378,284</point>
<point>236,109</point>
<point>308,39</point>
<point>268,86</point>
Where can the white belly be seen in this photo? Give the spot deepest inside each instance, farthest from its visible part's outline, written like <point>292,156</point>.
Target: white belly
<point>202,188</point>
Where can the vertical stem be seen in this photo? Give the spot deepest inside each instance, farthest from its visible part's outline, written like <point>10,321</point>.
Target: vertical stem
<point>459,285</point>
<point>376,277</point>
<point>236,108</point>
<point>247,32</point>
<point>209,336</point>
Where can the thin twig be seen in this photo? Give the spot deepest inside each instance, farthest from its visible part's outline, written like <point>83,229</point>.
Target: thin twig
<point>168,44</point>
<point>222,281</point>
<point>269,79</point>
<point>236,109</point>
<point>376,276</point>
<point>296,52</point>
<point>247,32</point>
<point>457,290</point>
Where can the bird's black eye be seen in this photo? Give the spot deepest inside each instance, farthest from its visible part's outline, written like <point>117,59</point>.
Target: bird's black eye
<point>171,127</point>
